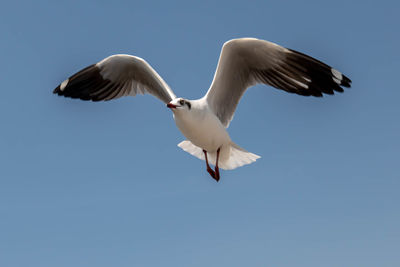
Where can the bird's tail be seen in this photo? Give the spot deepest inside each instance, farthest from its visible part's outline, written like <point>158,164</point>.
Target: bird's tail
<point>231,157</point>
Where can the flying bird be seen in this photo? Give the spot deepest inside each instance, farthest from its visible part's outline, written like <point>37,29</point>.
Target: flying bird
<point>242,63</point>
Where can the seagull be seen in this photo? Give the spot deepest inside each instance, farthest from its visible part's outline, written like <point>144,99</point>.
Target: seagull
<point>242,63</point>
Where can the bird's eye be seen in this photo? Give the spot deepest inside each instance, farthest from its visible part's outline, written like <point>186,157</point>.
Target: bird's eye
<point>181,102</point>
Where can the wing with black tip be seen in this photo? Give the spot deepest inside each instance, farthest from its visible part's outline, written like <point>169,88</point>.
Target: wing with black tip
<point>248,61</point>
<point>114,77</point>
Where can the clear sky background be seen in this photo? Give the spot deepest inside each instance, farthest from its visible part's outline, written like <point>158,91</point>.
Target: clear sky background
<point>104,184</point>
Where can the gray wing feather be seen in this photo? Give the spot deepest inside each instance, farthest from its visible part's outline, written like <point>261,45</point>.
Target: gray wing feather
<point>247,61</point>
<point>114,77</point>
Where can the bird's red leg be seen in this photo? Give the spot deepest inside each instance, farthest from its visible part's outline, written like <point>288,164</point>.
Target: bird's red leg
<point>210,171</point>
<point>216,167</point>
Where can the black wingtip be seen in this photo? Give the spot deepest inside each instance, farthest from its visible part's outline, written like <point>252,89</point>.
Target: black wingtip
<point>87,84</point>
<point>346,82</point>
<point>57,90</point>
<point>320,78</point>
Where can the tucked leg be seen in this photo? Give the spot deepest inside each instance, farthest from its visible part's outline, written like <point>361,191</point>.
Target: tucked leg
<point>216,166</point>
<point>209,170</point>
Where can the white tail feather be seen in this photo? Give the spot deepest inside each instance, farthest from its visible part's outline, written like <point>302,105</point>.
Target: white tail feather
<point>237,156</point>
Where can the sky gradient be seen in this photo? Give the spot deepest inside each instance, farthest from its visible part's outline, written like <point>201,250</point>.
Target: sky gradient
<point>104,184</point>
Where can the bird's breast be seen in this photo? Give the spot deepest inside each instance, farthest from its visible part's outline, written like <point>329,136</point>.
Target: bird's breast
<point>202,129</point>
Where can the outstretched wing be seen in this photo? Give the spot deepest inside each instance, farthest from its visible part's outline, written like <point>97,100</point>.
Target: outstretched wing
<point>248,61</point>
<point>114,77</point>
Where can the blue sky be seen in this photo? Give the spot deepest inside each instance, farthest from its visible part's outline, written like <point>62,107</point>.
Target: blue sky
<point>104,184</point>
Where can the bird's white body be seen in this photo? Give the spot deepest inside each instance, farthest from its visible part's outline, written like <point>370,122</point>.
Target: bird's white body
<point>201,126</point>
<point>205,132</point>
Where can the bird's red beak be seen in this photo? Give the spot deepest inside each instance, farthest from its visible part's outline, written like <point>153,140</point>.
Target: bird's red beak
<point>169,105</point>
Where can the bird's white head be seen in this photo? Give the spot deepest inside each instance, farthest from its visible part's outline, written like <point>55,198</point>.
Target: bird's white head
<point>179,104</point>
